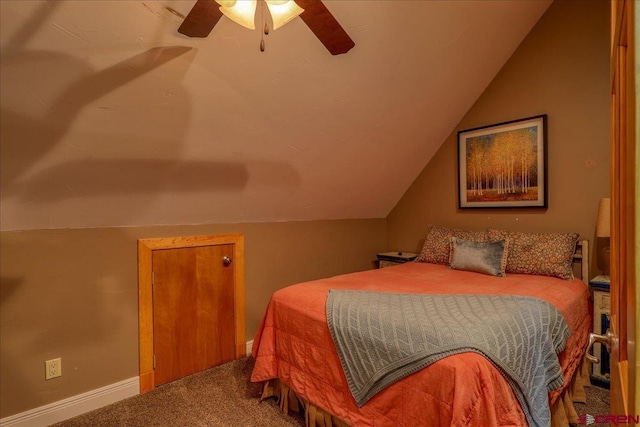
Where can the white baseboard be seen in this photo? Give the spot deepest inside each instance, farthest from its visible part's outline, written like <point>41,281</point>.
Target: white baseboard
<point>74,406</point>
<point>80,404</point>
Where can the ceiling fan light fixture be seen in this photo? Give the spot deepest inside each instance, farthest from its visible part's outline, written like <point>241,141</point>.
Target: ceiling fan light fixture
<point>242,12</point>
<point>205,14</point>
<point>283,11</point>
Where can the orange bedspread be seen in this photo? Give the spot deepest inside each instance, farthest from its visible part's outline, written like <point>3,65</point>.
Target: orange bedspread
<point>293,344</point>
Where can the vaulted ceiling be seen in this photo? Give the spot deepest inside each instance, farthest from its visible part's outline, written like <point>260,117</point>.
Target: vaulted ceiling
<point>110,117</point>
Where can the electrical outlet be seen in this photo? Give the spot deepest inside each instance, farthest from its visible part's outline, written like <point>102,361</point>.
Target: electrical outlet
<point>53,368</point>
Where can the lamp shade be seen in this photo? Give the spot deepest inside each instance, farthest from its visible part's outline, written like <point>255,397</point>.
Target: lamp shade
<point>242,12</point>
<point>283,11</point>
<point>603,227</point>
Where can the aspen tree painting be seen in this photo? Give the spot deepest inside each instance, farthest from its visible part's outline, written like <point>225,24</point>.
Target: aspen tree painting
<point>503,165</point>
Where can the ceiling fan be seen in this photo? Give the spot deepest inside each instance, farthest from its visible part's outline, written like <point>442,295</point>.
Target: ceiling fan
<point>205,14</point>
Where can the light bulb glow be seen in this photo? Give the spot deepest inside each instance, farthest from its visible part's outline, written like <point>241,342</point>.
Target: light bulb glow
<point>283,11</point>
<point>242,12</point>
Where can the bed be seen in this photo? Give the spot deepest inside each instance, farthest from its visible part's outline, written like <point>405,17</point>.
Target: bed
<point>296,356</point>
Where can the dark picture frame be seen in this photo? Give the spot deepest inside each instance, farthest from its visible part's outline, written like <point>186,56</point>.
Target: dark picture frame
<point>504,165</point>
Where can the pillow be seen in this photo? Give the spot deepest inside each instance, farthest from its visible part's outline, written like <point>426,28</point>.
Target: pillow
<point>438,241</point>
<point>544,254</point>
<point>481,257</point>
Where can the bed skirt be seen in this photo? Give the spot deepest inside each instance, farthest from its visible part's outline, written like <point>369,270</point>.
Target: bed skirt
<point>563,412</point>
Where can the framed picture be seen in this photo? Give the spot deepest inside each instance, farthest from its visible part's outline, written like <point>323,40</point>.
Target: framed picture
<point>503,165</point>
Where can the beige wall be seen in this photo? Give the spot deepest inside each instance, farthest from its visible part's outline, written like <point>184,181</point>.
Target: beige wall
<point>74,294</point>
<point>561,69</point>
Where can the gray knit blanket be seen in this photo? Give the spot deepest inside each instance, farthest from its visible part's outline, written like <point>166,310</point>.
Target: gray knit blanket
<point>383,337</point>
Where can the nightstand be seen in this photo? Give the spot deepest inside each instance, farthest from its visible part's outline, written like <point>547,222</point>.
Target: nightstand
<point>601,305</point>
<point>388,259</point>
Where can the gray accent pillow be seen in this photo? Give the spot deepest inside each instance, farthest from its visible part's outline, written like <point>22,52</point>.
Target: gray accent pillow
<point>437,244</point>
<point>481,257</point>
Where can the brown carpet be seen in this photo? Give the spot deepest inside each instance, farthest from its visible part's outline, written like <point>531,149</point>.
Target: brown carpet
<point>223,396</point>
<point>220,396</point>
<point>597,403</point>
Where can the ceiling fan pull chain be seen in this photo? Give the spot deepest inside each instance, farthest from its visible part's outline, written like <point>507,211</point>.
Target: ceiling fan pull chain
<point>265,28</point>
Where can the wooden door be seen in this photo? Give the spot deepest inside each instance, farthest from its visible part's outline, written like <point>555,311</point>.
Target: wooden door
<point>193,310</point>
<point>199,259</point>
<point>623,211</point>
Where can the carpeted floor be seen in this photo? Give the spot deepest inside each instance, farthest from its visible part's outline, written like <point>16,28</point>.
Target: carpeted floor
<point>597,403</point>
<point>220,396</point>
<point>223,396</point>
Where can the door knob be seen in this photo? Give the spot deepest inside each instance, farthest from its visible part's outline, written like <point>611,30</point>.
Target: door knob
<point>605,339</point>
<point>226,260</point>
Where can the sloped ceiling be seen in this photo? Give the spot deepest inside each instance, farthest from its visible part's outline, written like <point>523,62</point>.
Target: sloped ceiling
<point>109,117</point>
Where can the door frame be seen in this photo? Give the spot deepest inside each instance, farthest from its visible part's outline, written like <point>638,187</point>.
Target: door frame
<point>625,398</point>
<point>145,294</point>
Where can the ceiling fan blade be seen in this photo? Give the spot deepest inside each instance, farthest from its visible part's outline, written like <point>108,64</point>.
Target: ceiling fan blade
<point>325,26</point>
<point>201,20</point>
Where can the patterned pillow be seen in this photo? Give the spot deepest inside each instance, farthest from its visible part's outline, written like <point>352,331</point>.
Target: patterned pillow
<point>544,254</point>
<point>481,257</point>
<point>437,243</point>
